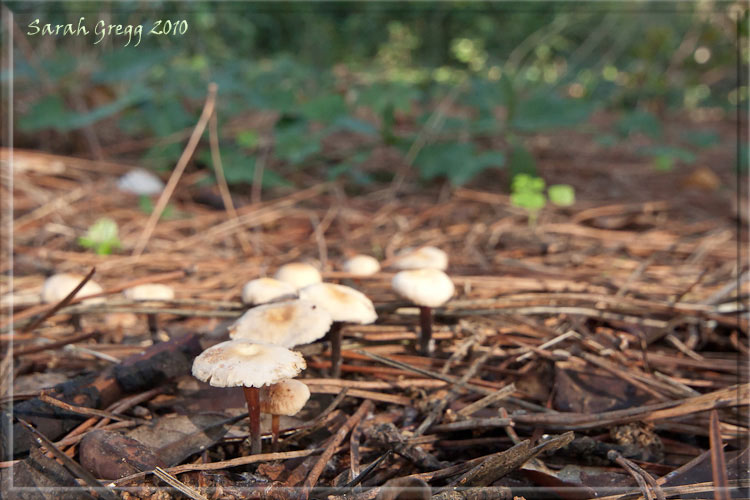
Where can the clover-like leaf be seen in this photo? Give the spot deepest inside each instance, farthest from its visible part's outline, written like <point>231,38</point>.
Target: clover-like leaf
<point>101,236</point>
<point>563,195</point>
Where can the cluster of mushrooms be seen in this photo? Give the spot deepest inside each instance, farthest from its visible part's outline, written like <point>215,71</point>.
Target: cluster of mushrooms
<point>293,308</point>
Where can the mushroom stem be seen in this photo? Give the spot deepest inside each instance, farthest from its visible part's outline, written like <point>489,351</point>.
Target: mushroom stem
<point>425,322</point>
<point>335,335</point>
<point>252,396</point>
<point>75,320</point>
<point>275,432</point>
<point>153,326</point>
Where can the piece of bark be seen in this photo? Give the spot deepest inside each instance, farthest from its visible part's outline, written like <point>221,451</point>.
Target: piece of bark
<point>137,373</point>
<point>111,455</point>
<point>496,466</point>
<point>40,478</point>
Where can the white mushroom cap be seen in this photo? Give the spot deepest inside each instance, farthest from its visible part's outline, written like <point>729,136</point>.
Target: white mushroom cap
<point>424,287</point>
<point>288,323</point>
<point>58,286</point>
<point>264,290</point>
<point>342,302</point>
<point>141,182</point>
<point>422,258</point>
<point>298,274</point>
<point>149,291</point>
<point>284,398</point>
<point>245,363</point>
<point>362,265</point>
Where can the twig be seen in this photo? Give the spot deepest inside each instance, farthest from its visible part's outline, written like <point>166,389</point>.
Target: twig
<point>718,463</point>
<point>226,196</point>
<point>317,470</point>
<point>187,153</point>
<point>53,345</point>
<point>60,304</point>
<point>90,412</point>
<point>445,378</point>
<point>498,395</point>
<point>444,402</point>
<point>235,462</point>
<point>177,484</point>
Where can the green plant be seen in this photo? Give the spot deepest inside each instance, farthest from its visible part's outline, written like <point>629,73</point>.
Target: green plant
<point>527,192</point>
<point>101,237</point>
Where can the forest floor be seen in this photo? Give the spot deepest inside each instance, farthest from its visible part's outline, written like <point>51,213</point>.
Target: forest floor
<point>617,318</point>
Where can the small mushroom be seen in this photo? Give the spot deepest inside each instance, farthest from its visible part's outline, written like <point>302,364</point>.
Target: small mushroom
<point>242,363</point>
<point>426,288</point>
<point>265,290</point>
<point>361,265</point>
<point>149,292</point>
<point>288,323</point>
<point>58,286</point>
<point>345,305</point>
<point>298,274</point>
<point>422,258</point>
<point>284,398</point>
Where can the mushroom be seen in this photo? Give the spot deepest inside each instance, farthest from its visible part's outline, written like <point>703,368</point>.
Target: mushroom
<point>345,304</point>
<point>242,363</point>
<point>284,398</point>
<point>288,323</point>
<point>427,288</point>
<point>361,265</point>
<point>148,292</point>
<point>265,290</point>
<point>58,286</point>
<point>422,258</point>
<point>298,274</point>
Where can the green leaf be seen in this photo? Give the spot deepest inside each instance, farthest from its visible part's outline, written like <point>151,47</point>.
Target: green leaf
<point>352,124</point>
<point>455,161</point>
<point>380,96</point>
<point>239,168</point>
<point>440,159</point>
<point>673,152</point>
<point>294,144</point>
<point>527,183</point>
<point>46,113</point>
<point>701,138</point>
<point>325,108</point>
<point>563,195</point>
<point>530,200</point>
<point>112,108</point>
<point>247,139</point>
<point>128,63</point>
<point>664,163</point>
<point>101,236</point>
<point>545,110</point>
<point>639,121</point>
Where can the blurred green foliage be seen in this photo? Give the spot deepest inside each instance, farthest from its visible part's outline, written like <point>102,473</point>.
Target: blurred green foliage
<point>527,192</point>
<point>101,237</point>
<point>471,80</point>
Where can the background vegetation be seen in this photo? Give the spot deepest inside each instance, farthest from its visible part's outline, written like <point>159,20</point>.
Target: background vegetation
<point>328,90</point>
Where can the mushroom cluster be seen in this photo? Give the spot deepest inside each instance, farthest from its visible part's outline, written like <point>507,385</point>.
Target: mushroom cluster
<point>252,366</point>
<point>296,307</point>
